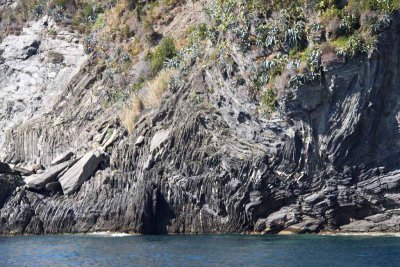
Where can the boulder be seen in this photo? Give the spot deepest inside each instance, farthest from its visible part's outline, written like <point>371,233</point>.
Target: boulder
<point>111,140</point>
<point>31,168</point>
<point>158,139</point>
<point>22,171</point>
<point>99,138</point>
<point>62,158</point>
<point>80,172</point>
<point>39,181</point>
<point>139,141</point>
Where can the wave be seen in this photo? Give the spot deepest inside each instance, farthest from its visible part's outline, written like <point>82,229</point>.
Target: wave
<point>109,234</point>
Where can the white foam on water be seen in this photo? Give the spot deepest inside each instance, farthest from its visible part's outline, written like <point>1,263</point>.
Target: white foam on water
<point>109,234</point>
<point>362,234</point>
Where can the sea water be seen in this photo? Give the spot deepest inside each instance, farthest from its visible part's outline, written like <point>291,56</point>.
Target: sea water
<point>106,249</point>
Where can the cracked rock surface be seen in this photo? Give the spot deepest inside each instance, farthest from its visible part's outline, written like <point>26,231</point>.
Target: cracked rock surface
<point>329,162</point>
<point>35,67</point>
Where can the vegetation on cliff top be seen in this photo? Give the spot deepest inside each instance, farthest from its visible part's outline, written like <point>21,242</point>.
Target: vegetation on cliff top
<point>293,40</point>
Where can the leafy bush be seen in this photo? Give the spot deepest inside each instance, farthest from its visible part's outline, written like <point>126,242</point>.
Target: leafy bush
<point>166,50</point>
<point>58,3</point>
<point>269,100</point>
<point>349,47</point>
<point>377,5</point>
<point>223,16</point>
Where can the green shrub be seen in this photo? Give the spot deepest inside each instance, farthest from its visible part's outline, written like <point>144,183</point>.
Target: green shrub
<point>349,47</point>
<point>87,10</point>
<point>166,50</point>
<point>199,32</point>
<point>301,55</point>
<point>340,43</point>
<point>61,2</point>
<point>377,5</point>
<point>100,22</point>
<point>269,101</point>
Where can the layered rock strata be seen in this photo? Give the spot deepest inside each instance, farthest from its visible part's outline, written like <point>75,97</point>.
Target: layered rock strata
<point>329,162</point>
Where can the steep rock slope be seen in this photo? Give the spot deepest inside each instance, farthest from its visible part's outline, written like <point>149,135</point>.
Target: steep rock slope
<point>206,161</point>
<point>35,67</point>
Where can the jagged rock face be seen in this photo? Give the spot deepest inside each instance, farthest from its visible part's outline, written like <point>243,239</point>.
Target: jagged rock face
<point>8,184</point>
<point>80,172</point>
<point>4,4</point>
<point>329,163</point>
<point>41,180</point>
<point>35,67</point>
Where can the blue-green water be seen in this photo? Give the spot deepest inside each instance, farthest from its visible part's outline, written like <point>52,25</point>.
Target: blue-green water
<point>207,250</point>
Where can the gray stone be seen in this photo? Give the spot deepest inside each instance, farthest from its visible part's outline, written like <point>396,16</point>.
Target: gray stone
<point>39,181</point>
<point>63,157</point>
<point>139,140</point>
<point>22,171</point>
<point>111,140</point>
<point>8,184</point>
<point>158,139</point>
<point>310,166</point>
<point>80,172</point>
<point>99,138</point>
<point>34,168</point>
<point>29,84</point>
<point>8,4</point>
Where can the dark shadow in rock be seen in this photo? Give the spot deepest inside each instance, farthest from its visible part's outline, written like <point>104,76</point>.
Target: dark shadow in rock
<point>243,117</point>
<point>156,37</point>
<point>164,214</point>
<point>8,184</point>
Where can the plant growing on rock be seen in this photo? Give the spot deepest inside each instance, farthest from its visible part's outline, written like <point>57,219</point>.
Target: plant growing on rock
<point>130,112</point>
<point>184,58</point>
<point>165,51</point>
<point>156,87</point>
<point>223,17</point>
<point>314,64</point>
<point>269,100</point>
<point>150,98</point>
<point>295,37</point>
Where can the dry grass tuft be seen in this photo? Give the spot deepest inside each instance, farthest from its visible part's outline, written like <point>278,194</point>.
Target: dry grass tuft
<point>151,99</point>
<point>156,87</point>
<point>130,112</point>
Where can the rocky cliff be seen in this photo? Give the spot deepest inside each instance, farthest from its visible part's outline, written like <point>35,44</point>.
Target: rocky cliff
<point>35,69</point>
<point>206,159</point>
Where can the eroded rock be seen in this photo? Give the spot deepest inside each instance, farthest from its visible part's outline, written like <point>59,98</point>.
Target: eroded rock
<point>158,139</point>
<point>139,140</point>
<point>39,181</point>
<point>31,73</point>
<point>63,157</point>
<point>327,161</point>
<point>80,172</point>
<point>8,184</point>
